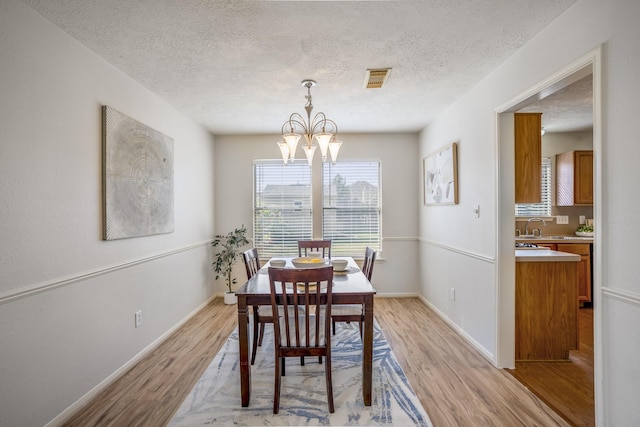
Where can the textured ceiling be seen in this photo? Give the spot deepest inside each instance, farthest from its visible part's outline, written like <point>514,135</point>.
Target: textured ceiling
<point>567,110</point>
<point>236,66</point>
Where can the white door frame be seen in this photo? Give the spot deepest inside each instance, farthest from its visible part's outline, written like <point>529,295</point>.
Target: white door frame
<point>505,192</point>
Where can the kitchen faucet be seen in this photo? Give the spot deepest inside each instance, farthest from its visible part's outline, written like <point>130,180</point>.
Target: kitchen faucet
<point>526,226</point>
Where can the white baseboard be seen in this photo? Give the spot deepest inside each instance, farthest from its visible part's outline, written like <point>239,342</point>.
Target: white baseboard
<point>80,403</point>
<point>487,355</point>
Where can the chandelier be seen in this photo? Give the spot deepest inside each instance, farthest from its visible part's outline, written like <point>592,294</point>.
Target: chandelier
<point>320,129</point>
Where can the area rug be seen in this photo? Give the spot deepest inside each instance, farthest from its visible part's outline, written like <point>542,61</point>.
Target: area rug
<point>215,399</point>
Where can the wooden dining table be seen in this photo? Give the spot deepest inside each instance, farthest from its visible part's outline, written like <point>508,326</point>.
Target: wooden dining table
<point>349,287</point>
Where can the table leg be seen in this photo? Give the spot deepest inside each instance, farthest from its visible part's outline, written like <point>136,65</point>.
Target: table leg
<point>367,355</point>
<point>243,339</point>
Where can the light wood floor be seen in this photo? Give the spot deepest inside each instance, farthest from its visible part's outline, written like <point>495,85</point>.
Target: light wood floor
<point>566,387</point>
<point>456,385</point>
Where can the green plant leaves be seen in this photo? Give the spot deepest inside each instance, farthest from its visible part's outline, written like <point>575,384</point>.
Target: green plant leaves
<point>229,245</point>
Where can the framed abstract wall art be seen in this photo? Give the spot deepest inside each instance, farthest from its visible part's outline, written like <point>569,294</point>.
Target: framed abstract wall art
<point>441,176</point>
<point>137,178</point>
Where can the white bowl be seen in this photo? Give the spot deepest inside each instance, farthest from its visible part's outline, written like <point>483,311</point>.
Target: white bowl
<point>339,264</point>
<point>309,262</point>
<point>279,263</point>
<point>584,233</point>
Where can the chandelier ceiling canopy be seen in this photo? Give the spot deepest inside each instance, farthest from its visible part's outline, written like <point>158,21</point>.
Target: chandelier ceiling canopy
<point>320,128</point>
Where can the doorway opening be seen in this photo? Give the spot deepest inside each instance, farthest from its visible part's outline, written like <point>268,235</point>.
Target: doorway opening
<point>589,65</point>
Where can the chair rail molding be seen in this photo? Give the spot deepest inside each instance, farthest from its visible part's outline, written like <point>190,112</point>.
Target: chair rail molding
<point>484,258</point>
<point>27,291</point>
<point>621,295</point>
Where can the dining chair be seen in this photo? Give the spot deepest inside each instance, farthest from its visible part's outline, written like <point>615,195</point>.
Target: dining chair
<point>261,314</point>
<point>306,246</point>
<point>354,312</point>
<point>303,327</point>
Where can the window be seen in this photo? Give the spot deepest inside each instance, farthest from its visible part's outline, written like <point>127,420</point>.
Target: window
<point>282,207</point>
<point>544,207</point>
<point>351,208</point>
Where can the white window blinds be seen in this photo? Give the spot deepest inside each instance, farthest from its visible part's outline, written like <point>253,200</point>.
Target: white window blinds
<point>282,207</point>
<point>351,207</point>
<point>543,208</point>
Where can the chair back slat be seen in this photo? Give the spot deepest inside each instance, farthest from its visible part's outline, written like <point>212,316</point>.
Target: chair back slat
<point>306,246</point>
<point>251,262</point>
<point>369,260</point>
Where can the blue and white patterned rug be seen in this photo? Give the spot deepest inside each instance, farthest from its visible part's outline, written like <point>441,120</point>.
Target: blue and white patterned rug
<point>215,399</point>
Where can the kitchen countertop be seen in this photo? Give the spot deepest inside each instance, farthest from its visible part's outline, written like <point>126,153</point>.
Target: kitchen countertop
<point>544,255</point>
<point>555,239</point>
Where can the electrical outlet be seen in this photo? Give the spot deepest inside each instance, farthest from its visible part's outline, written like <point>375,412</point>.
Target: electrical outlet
<point>452,294</point>
<point>562,219</point>
<point>582,219</point>
<point>138,317</point>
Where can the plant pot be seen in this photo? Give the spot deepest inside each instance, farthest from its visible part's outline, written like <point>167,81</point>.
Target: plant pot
<point>230,298</point>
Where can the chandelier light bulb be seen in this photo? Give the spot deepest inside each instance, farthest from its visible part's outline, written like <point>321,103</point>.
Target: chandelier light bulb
<point>323,139</point>
<point>284,150</point>
<point>308,151</point>
<point>334,147</point>
<point>292,141</point>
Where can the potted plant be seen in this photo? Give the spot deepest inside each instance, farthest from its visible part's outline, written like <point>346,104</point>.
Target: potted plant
<point>226,255</point>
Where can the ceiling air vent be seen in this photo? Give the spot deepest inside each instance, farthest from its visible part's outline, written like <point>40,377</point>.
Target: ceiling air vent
<point>375,78</point>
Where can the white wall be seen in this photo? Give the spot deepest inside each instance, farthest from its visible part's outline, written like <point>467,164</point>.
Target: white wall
<point>396,273</point>
<point>457,249</point>
<point>562,142</point>
<point>67,298</point>
<point>583,28</point>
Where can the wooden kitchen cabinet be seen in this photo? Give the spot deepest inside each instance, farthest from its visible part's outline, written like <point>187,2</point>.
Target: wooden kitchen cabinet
<point>584,267</point>
<point>546,310</point>
<point>574,178</point>
<point>528,157</point>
